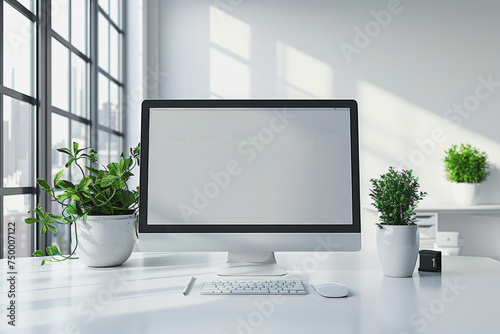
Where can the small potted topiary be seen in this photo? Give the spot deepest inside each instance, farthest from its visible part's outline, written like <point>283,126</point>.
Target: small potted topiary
<point>465,167</point>
<point>396,196</point>
<point>100,208</point>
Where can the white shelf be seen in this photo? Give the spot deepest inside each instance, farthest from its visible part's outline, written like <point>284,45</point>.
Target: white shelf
<point>450,208</point>
<point>457,208</point>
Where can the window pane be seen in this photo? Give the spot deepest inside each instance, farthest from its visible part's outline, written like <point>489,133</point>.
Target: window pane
<point>103,151</point>
<point>18,143</point>
<point>114,50</point>
<point>14,212</point>
<point>103,31</point>
<point>60,18</point>
<point>60,138</point>
<point>114,106</point>
<point>18,44</point>
<point>79,20</point>
<point>79,135</point>
<point>29,4</point>
<point>78,86</point>
<point>103,111</point>
<point>115,148</point>
<point>60,75</point>
<point>104,4</point>
<point>114,11</point>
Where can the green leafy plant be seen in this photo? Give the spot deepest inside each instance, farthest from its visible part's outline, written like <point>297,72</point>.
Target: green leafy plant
<point>466,164</point>
<point>99,192</point>
<point>395,195</point>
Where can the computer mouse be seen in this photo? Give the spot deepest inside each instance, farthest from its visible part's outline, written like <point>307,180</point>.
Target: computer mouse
<point>330,289</point>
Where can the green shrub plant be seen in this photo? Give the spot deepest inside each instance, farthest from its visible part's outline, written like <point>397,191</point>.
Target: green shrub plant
<point>396,196</point>
<point>466,164</point>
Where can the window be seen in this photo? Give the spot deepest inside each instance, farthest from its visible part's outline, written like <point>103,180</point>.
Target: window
<point>59,82</point>
<point>18,116</point>
<point>110,80</point>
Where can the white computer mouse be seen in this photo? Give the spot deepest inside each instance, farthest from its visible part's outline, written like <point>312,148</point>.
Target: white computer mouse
<point>330,289</point>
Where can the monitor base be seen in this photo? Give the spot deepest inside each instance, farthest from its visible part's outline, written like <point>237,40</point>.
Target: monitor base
<point>251,264</point>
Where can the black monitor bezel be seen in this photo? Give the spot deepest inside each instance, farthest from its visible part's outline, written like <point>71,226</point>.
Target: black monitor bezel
<point>355,227</point>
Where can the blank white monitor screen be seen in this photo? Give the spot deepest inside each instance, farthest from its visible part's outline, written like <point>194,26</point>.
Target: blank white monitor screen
<point>239,166</point>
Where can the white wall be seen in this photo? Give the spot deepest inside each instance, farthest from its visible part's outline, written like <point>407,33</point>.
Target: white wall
<point>420,75</point>
<point>134,78</point>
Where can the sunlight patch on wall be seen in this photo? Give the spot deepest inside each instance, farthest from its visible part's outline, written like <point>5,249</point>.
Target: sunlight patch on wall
<point>228,76</point>
<point>304,74</point>
<point>230,33</point>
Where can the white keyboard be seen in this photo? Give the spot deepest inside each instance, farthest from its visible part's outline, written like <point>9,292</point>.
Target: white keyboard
<point>254,287</point>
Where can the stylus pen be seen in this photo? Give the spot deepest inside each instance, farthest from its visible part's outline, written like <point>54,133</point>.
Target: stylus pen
<point>188,286</point>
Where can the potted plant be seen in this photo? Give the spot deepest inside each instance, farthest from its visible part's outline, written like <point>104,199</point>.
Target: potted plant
<point>466,167</point>
<point>100,208</point>
<point>396,196</point>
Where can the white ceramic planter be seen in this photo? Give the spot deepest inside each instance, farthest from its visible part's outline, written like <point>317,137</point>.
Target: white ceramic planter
<point>105,241</point>
<point>465,193</point>
<point>397,247</point>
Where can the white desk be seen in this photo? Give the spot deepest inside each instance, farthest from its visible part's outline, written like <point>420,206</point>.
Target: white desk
<point>145,296</point>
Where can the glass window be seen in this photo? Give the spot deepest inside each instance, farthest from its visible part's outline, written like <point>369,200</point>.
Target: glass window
<point>29,4</point>
<point>60,75</point>
<point>104,147</point>
<point>66,59</point>
<point>114,106</point>
<point>79,79</point>
<point>15,210</point>
<point>60,138</point>
<point>103,103</point>
<point>115,147</point>
<point>60,17</point>
<point>79,14</point>
<point>104,4</point>
<point>114,53</point>
<point>79,133</point>
<point>18,58</point>
<point>103,30</point>
<point>18,143</point>
<point>115,11</point>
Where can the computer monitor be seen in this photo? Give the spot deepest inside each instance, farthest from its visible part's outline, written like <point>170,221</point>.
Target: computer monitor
<point>250,177</point>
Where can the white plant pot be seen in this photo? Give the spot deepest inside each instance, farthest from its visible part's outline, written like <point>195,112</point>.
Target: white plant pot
<point>105,241</point>
<point>465,193</point>
<point>398,249</point>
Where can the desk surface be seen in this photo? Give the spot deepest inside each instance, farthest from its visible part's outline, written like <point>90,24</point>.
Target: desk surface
<point>144,295</point>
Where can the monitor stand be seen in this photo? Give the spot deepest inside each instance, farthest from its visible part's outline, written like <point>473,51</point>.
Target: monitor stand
<point>251,264</point>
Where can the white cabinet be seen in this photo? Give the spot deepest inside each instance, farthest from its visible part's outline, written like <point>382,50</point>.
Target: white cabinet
<point>427,226</point>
